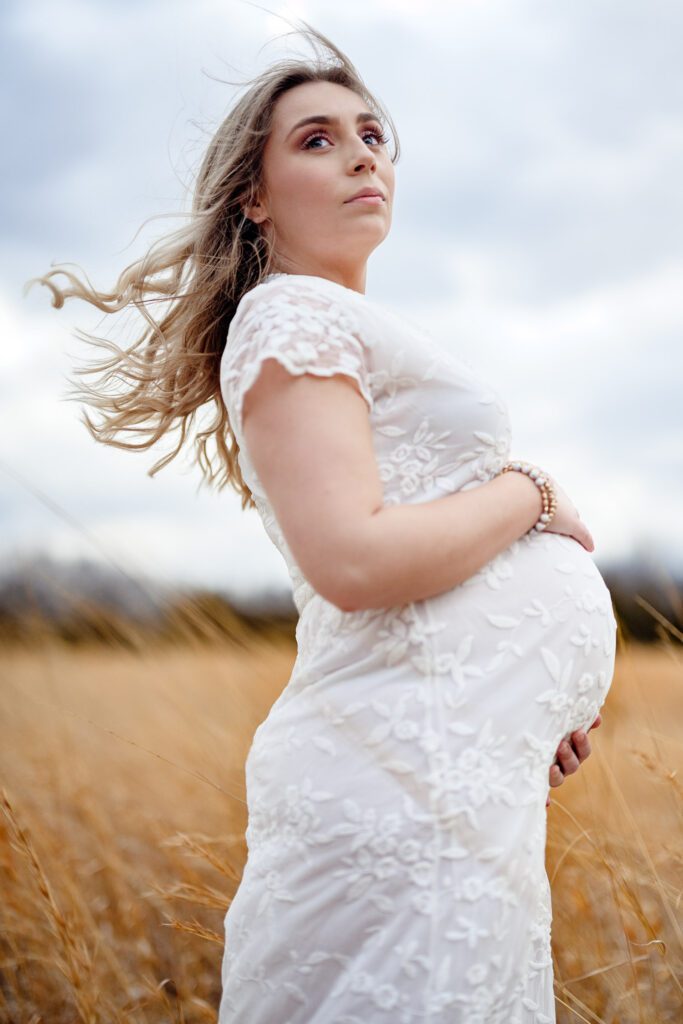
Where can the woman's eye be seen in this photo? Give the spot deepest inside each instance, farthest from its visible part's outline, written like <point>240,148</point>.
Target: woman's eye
<point>311,138</point>
<point>375,132</point>
<point>378,134</point>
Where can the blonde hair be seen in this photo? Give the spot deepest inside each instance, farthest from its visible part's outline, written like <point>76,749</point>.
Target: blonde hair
<point>172,369</point>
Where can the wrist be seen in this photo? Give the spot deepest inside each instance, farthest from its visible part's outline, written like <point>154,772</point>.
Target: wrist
<point>546,499</point>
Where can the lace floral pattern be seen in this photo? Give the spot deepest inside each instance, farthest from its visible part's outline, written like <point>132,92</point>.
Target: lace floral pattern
<point>396,789</point>
<point>304,331</point>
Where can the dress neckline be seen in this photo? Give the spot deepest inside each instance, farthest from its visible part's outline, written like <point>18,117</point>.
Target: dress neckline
<point>314,277</point>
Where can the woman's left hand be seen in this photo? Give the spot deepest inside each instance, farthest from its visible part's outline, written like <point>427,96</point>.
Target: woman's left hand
<point>570,759</point>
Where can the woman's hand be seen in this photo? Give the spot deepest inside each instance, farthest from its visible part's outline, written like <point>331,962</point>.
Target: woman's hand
<point>571,759</point>
<point>566,519</point>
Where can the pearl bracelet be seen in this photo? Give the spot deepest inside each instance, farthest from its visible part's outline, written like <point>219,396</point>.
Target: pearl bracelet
<point>545,486</point>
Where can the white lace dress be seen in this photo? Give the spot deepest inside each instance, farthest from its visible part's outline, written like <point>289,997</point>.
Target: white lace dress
<point>396,790</point>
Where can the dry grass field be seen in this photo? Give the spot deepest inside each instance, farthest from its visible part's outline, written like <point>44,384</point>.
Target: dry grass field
<point>121,837</point>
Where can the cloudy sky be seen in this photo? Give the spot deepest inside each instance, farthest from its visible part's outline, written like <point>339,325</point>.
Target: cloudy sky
<point>537,231</point>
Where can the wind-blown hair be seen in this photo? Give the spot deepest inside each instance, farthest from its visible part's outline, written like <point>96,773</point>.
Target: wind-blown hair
<point>203,269</point>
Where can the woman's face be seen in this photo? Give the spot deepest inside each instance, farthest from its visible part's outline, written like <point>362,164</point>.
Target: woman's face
<point>310,173</point>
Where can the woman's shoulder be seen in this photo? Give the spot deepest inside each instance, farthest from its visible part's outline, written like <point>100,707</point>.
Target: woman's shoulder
<point>305,324</point>
<point>298,296</point>
<point>288,300</point>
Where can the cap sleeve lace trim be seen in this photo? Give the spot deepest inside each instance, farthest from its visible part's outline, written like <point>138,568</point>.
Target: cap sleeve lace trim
<point>307,328</point>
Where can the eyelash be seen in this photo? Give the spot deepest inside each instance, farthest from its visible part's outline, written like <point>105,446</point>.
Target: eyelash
<point>377,132</point>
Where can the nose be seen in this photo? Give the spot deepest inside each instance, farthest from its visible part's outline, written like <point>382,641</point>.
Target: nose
<point>364,158</point>
<point>365,163</point>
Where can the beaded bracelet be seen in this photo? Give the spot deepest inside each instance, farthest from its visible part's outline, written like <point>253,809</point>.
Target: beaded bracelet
<point>545,486</point>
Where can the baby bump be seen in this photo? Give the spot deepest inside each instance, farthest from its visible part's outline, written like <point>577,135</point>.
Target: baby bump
<point>394,703</point>
<point>542,639</point>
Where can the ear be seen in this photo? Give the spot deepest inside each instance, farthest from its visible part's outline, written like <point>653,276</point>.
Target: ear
<point>255,212</point>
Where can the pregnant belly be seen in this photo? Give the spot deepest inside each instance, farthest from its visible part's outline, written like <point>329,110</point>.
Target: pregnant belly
<point>463,696</point>
<point>523,650</point>
<point>537,624</point>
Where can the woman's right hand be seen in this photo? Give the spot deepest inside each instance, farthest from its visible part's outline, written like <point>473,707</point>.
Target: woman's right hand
<point>566,519</point>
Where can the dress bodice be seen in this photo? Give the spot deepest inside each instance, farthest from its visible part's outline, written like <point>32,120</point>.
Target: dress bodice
<point>437,424</point>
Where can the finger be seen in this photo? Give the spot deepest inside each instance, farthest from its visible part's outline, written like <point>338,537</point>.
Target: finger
<point>567,758</point>
<point>556,775</point>
<point>581,744</point>
<point>596,723</point>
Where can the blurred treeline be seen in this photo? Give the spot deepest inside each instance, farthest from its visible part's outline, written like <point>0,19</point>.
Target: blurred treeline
<point>86,602</point>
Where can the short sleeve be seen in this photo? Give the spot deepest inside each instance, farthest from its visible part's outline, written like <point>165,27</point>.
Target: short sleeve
<point>303,325</point>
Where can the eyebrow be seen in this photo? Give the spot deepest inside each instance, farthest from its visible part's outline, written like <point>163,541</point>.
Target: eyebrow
<point>325,119</point>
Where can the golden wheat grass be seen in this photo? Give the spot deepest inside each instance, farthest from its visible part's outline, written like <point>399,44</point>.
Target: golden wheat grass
<point>122,832</point>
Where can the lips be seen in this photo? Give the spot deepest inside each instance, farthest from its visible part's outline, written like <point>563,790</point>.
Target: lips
<point>366,192</point>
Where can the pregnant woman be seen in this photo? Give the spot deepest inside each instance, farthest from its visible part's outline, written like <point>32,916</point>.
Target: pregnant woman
<point>453,628</point>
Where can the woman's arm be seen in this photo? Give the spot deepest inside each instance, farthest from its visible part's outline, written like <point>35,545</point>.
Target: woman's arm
<point>311,443</point>
<point>410,552</point>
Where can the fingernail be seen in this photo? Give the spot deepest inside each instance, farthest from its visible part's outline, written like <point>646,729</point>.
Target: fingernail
<point>580,736</point>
